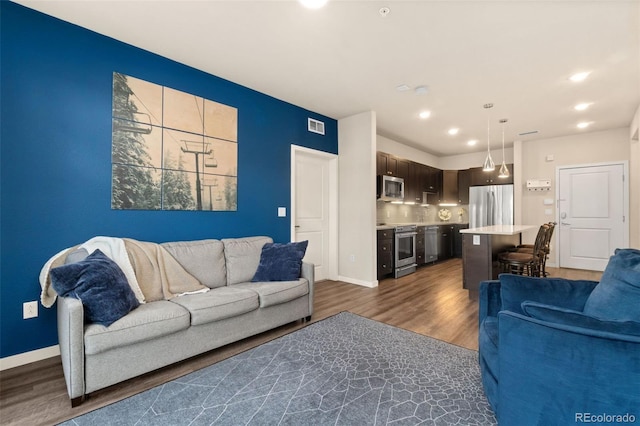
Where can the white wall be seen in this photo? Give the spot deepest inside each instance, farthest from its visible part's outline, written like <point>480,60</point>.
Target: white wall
<point>403,151</point>
<point>634,182</point>
<point>475,159</point>
<point>453,162</point>
<point>357,199</point>
<point>588,148</point>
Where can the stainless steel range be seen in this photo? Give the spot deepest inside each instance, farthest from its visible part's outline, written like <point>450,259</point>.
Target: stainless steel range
<point>405,250</point>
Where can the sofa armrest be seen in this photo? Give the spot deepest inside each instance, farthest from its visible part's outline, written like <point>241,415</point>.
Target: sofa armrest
<point>489,303</point>
<point>71,340</point>
<point>560,292</point>
<point>570,371</point>
<point>308,272</point>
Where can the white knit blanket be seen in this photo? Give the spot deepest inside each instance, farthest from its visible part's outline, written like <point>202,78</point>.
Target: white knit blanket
<point>112,247</point>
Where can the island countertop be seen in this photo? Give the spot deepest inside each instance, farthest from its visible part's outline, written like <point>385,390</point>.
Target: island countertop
<point>498,229</point>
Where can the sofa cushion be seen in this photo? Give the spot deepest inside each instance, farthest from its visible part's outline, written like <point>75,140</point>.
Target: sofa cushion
<point>276,292</point>
<point>617,296</point>
<point>569,294</point>
<point>578,319</point>
<point>242,257</point>
<point>280,262</point>
<point>149,321</point>
<point>217,304</point>
<point>204,259</point>
<point>100,284</point>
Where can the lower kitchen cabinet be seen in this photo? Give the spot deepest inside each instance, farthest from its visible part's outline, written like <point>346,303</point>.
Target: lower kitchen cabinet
<point>457,239</point>
<point>445,242</point>
<point>385,252</point>
<point>420,248</point>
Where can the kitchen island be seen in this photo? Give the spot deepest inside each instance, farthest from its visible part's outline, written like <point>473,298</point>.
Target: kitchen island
<point>480,249</point>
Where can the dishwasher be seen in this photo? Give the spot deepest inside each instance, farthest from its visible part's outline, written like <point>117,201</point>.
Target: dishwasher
<point>430,244</point>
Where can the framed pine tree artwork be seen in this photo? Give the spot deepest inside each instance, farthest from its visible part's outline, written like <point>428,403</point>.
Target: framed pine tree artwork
<point>171,150</point>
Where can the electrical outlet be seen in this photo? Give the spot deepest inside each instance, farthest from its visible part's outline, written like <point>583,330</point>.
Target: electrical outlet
<point>29,310</point>
<point>352,257</point>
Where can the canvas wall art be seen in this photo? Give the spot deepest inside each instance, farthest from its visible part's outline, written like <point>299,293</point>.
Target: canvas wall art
<point>171,150</point>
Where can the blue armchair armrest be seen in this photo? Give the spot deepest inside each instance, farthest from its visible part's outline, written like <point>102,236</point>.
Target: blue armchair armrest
<point>570,372</point>
<point>489,303</point>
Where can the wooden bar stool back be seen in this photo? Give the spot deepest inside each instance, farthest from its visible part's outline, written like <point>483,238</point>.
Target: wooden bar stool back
<point>526,263</point>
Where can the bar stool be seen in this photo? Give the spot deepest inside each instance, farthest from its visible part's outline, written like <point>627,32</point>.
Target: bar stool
<point>528,248</point>
<point>526,263</point>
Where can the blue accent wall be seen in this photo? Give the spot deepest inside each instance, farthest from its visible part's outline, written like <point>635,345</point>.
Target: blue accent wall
<point>55,158</point>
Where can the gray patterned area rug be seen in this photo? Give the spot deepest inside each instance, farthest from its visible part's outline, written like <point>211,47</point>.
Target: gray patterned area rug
<point>344,370</point>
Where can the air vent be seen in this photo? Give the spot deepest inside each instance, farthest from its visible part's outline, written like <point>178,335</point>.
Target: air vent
<point>528,133</point>
<point>316,126</point>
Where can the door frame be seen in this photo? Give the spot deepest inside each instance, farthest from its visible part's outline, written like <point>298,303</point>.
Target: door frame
<point>333,202</point>
<point>625,195</point>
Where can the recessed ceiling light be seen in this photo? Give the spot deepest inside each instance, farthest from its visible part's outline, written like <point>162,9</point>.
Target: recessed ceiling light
<point>425,114</point>
<point>583,125</point>
<point>582,106</point>
<point>453,131</point>
<point>421,90</point>
<point>472,142</point>
<point>579,76</point>
<point>313,4</point>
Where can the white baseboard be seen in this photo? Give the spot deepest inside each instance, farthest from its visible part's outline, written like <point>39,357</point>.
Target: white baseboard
<point>358,282</point>
<point>28,357</point>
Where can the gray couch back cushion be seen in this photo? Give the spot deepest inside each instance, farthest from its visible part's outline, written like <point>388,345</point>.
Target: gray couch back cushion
<point>204,259</point>
<point>243,257</point>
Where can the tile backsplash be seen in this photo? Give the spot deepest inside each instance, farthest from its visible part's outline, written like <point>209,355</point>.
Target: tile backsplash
<point>387,213</point>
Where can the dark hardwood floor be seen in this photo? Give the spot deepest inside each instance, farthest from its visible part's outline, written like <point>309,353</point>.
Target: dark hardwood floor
<point>430,302</point>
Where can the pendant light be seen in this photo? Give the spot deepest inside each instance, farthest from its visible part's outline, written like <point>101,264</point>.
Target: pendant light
<point>504,170</point>
<point>488,165</point>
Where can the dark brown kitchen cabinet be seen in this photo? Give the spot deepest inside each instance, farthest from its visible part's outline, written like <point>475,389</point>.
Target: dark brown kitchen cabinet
<point>457,239</point>
<point>416,183</point>
<point>464,181</point>
<point>385,252</point>
<point>403,169</point>
<point>445,242</point>
<point>386,164</point>
<point>479,177</point>
<point>433,180</point>
<point>420,247</point>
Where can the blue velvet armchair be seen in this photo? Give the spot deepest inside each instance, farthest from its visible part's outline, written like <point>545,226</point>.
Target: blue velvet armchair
<point>556,352</point>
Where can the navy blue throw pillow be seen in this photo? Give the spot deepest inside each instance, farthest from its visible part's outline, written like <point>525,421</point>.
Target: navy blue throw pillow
<point>101,286</point>
<point>280,262</point>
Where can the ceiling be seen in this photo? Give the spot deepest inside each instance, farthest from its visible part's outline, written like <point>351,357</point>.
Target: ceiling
<point>347,58</point>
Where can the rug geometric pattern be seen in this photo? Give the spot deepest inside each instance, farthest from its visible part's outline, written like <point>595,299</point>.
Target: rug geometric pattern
<point>344,370</point>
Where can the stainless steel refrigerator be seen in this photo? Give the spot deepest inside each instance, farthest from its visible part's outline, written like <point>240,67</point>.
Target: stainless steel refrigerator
<point>490,205</point>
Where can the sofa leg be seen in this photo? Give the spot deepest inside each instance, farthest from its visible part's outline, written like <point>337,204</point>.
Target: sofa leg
<point>77,401</point>
<point>307,319</point>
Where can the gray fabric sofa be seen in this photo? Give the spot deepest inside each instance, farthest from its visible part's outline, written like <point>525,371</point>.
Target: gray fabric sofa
<point>163,332</point>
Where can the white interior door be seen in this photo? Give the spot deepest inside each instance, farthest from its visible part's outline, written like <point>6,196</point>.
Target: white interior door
<point>314,174</point>
<point>591,215</point>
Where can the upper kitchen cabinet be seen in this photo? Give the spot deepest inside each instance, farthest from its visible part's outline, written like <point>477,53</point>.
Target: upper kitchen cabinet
<point>403,169</point>
<point>464,181</point>
<point>478,177</point>
<point>433,180</point>
<point>413,185</point>
<point>386,164</point>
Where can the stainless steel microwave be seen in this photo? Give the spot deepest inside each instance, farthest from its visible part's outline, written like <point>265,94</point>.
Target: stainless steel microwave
<point>390,188</point>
